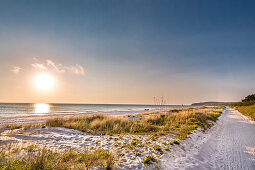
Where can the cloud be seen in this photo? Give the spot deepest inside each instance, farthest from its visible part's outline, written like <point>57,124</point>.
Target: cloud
<point>77,69</point>
<point>59,68</point>
<point>39,66</point>
<point>16,70</point>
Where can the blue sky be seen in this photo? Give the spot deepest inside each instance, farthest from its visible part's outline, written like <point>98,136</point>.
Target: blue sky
<point>131,50</point>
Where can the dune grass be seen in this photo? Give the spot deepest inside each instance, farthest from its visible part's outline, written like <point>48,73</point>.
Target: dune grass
<point>21,126</point>
<point>180,123</point>
<point>149,159</point>
<point>246,108</point>
<point>44,159</point>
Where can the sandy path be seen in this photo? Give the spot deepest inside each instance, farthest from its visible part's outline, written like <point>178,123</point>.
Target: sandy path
<point>231,144</point>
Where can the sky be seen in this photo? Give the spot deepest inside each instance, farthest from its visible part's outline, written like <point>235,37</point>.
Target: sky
<point>127,51</point>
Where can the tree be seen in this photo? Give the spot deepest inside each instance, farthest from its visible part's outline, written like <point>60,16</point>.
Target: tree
<point>249,98</point>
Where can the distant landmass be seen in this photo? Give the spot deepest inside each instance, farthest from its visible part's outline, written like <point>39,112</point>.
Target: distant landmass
<point>212,103</point>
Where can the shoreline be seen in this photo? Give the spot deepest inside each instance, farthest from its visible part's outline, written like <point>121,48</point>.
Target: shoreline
<point>38,119</point>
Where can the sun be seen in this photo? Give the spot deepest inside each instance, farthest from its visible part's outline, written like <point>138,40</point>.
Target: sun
<point>44,81</point>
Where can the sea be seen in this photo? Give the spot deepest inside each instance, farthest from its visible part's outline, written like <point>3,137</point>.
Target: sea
<point>33,109</point>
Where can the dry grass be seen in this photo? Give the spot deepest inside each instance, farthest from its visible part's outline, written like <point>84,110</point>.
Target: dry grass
<point>180,123</point>
<point>42,158</point>
<point>20,126</point>
<point>149,159</point>
<point>12,126</point>
<point>246,108</point>
<point>101,125</point>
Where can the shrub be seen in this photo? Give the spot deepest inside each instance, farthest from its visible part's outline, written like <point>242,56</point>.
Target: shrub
<point>249,98</point>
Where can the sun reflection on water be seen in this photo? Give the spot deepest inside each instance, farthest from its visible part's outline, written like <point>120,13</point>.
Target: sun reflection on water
<point>41,108</point>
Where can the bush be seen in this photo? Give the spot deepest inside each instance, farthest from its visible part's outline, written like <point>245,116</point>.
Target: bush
<point>249,98</point>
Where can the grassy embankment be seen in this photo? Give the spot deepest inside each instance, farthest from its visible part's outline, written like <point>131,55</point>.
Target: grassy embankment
<point>34,158</point>
<point>246,108</point>
<point>181,123</point>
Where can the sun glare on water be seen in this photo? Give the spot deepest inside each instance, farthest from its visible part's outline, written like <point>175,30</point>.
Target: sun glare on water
<point>41,108</point>
<point>44,81</point>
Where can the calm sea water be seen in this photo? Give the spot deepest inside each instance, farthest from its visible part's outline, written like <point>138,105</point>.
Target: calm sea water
<point>30,109</point>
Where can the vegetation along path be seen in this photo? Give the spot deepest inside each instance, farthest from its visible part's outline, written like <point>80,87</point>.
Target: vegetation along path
<point>231,145</point>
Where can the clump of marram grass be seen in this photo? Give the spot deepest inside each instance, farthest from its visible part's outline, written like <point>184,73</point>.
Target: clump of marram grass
<point>121,154</point>
<point>158,148</point>
<point>153,137</point>
<point>134,143</point>
<point>149,159</point>
<point>167,149</point>
<point>179,124</point>
<point>46,159</point>
<point>174,142</point>
<point>137,154</point>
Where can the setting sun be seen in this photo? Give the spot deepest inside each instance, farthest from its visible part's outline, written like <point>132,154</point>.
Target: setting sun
<point>44,81</point>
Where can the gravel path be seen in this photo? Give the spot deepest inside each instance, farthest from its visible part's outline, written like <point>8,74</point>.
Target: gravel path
<point>231,144</point>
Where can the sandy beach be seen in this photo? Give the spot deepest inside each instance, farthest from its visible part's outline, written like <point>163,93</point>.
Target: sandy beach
<point>130,149</point>
<point>198,151</point>
<point>38,119</point>
<point>127,85</point>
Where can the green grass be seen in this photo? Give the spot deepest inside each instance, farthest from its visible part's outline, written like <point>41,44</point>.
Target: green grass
<point>44,159</point>
<point>246,108</point>
<point>179,124</point>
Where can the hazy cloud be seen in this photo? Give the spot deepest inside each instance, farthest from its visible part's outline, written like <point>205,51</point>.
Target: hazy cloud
<point>39,66</point>
<point>16,69</point>
<point>77,69</point>
<point>57,67</point>
<point>50,65</point>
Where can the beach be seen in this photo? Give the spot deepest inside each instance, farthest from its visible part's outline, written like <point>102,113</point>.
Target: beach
<point>39,119</point>
<point>127,85</point>
<point>131,150</point>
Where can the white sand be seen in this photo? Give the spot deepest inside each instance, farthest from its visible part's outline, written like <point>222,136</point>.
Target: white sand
<point>229,144</point>
<point>62,139</point>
